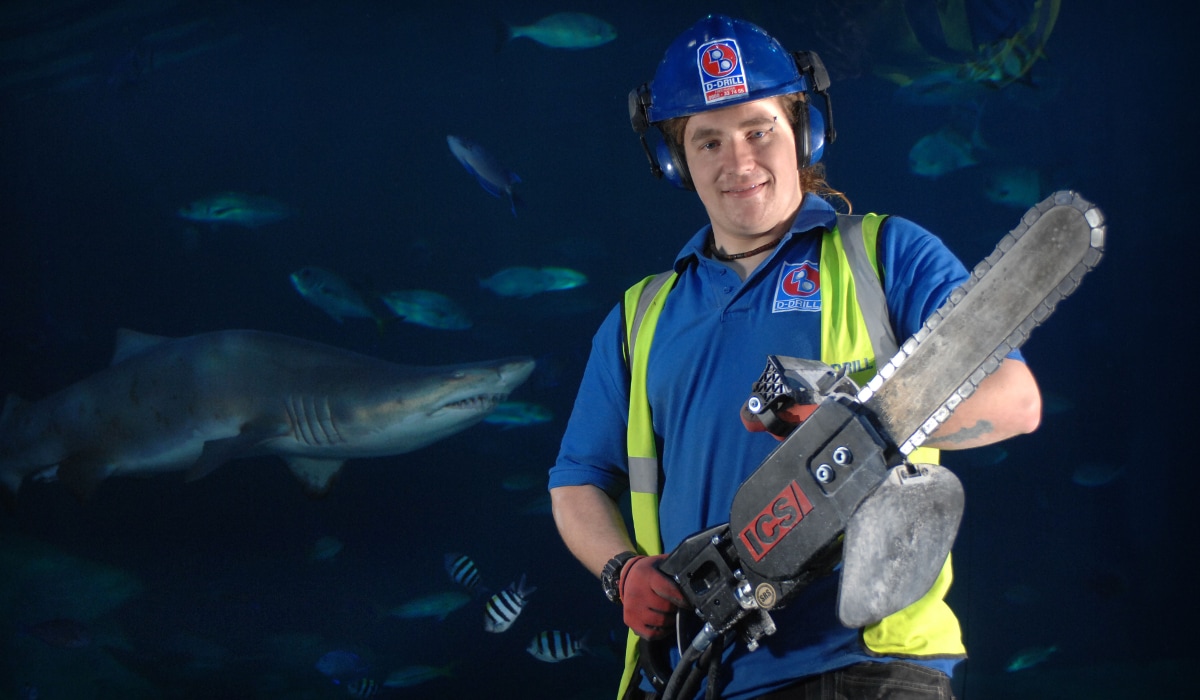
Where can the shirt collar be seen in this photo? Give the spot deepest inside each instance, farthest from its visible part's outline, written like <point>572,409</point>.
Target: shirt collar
<point>814,213</point>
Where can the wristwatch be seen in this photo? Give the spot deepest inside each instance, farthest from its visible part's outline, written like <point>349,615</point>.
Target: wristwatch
<point>610,577</point>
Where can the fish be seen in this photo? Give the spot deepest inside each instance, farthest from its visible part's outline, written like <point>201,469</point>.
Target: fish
<point>342,666</point>
<point>463,571</point>
<point>496,179</point>
<point>437,605</point>
<point>941,152</point>
<point>326,548</point>
<point>249,211</point>
<point>417,674</point>
<point>504,607</point>
<point>521,281</point>
<point>958,58</point>
<point>1016,186</point>
<point>563,278</point>
<point>562,30</point>
<point>362,688</point>
<point>194,403</point>
<point>553,646</point>
<point>1094,474</point>
<point>330,293</point>
<point>427,308</point>
<point>516,413</point>
<point>1029,657</point>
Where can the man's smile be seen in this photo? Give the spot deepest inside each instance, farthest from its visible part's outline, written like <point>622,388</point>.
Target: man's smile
<point>745,190</point>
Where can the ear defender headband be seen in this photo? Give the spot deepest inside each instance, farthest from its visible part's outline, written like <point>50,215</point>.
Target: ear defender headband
<point>813,128</point>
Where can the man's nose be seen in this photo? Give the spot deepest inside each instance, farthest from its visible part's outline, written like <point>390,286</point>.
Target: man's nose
<point>740,157</point>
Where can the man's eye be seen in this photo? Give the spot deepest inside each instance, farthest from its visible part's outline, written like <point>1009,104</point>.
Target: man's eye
<point>759,134</point>
<point>708,145</point>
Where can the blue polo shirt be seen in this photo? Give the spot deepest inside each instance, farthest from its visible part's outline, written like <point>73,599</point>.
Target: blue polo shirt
<point>712,341</point>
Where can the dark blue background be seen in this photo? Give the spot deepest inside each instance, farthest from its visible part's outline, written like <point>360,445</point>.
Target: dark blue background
<point>341,110</point>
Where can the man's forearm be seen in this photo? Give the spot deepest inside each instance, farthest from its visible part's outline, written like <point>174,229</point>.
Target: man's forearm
<point>590,524</point>
<point>1007,403</point>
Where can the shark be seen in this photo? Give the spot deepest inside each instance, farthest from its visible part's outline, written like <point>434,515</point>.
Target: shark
<point>191,404</point>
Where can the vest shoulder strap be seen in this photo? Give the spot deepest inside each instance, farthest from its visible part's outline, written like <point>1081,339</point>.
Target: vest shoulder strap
<point>860,234</point>
<point>641,295</point>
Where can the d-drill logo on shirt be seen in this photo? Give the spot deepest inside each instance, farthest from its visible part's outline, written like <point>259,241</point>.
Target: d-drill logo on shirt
<point>721,71</point>
<point>799,288</point>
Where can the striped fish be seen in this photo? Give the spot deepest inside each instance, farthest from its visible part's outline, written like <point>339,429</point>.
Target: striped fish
<point>363,688</point>
<point>553,646</point>
<point>503,608</point>
<point>464,572</point>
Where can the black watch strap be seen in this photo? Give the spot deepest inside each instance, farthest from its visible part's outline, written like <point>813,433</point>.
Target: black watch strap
<point>610,577</point>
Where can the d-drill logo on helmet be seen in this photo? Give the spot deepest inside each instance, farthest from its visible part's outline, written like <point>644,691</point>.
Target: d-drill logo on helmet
<point>721,71</point>
<point>776,520</point>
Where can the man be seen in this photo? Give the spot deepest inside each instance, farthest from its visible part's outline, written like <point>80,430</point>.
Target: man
<point>759,279</point>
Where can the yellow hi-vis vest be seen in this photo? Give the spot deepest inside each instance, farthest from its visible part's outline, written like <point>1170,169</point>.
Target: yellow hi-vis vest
<point>856,332</point>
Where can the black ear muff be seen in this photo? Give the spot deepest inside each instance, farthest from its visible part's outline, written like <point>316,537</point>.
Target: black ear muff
<point>673,163</point>
<point>666,162</point>
<point>808,124</point>
<point>817,127</point>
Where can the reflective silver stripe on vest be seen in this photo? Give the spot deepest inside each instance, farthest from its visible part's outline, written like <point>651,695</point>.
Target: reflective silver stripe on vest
<point>647,296</point>
<point>871,299</point>
<point>643,474</point>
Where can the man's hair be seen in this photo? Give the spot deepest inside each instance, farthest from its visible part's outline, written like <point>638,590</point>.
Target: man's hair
<point>812,177</point>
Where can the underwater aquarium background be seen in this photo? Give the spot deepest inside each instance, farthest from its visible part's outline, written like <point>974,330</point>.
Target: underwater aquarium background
<point>114,116</point>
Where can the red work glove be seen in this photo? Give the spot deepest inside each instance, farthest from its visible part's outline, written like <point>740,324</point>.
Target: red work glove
<point>648,596</point>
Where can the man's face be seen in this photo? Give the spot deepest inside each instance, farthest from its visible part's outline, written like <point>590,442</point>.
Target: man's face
<point>743,164</point>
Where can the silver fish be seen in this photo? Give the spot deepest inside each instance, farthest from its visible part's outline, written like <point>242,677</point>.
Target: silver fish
<point>331,294</point>
<point>1027,658</point>
<point>236,208</point>
<point>941,152</point>
<point>565,30</point>
<point>521,281</point>
<point>426,308</point>
<point>493,177</point>
<point>436,605</point>
<point>514,413</point>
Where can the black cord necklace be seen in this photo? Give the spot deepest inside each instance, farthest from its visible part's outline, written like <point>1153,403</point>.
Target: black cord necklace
<point>712,249</point>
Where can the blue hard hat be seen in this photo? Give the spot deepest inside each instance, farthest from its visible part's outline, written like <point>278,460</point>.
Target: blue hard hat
<point>719,62</point>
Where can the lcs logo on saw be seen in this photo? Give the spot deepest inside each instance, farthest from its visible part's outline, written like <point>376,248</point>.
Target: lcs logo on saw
<point>776,520</point>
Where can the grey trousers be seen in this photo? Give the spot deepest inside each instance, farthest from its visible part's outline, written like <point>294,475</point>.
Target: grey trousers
<point>870,681</point>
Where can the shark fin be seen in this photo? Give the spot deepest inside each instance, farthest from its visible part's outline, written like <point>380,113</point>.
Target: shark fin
<point>82,475</point>
<point>218,452</point>
<point>130,343</point>
<point>316,474</point>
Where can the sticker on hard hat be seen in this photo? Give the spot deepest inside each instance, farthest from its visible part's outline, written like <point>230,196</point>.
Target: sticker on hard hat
<point>721,72</point>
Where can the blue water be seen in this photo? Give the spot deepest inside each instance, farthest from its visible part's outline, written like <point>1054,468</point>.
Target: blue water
<point>341,109</point>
